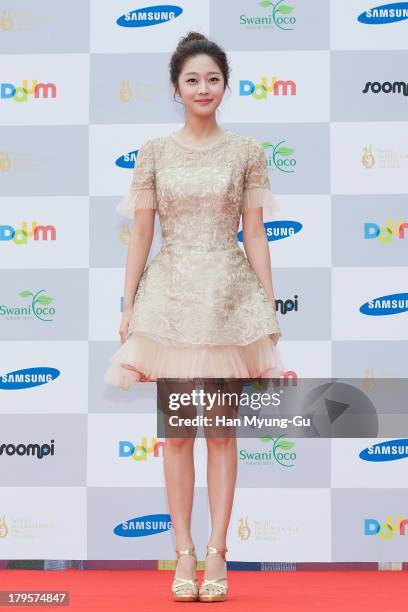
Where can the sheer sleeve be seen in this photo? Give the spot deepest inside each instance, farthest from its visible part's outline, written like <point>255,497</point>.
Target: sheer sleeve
<point>142,192</point>
<point>256,190</point>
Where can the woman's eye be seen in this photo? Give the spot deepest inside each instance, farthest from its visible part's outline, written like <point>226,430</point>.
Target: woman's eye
<point>211,79</point>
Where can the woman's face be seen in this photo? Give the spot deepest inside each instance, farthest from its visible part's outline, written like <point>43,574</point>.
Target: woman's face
<point>201,79</point>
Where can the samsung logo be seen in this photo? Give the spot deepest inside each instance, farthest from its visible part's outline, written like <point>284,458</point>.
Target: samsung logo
<point>127,160</point>
<point>386,451</point>
<point>144,526</point>
<point>148,16</point>
<point>388,13</point>
<point>27,378</point>
<point>277,230</point>
<point>386,305</point>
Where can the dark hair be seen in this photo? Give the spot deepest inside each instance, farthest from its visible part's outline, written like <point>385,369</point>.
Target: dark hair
<point>193,44</point>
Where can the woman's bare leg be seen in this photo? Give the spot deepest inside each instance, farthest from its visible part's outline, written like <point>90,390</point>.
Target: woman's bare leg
<point>221,472</point>
<point>178,460</point>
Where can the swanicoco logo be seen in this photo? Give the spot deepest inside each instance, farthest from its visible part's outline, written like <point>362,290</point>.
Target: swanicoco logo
<point>386,530</point>
<point>149,16</point>
<point>38,309</point>
<point>395,303</point>
<point>33,450</point>
<point>280,15</point>
<point>141,451</point>
<point>373,231</point>
<point>392,450</point>
<point>28,378</point>
<point>386,13</point>
<point>281,453</point>
<point>141,526</point>
<point>281,158</point>
<point>42,233</point>
<point>8,91</point>
<point>127,160</point>
<point>397,87</point>
<point>260,90</point>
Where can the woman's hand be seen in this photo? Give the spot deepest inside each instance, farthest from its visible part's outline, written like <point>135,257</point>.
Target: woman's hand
<point>275,337</point>
<point>124,324</point>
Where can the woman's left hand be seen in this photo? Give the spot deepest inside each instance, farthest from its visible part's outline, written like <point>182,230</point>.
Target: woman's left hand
<point>275,337</point>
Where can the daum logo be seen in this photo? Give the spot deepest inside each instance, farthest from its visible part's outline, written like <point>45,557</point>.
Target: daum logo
<point>141,452</point>
<point>28,378</point>
<point>127,160</point>
<point>395,303</point>
<point>141,526</point>
<point>279,14</point>
<point>281,158</point>
<point>372,231</point>
<point>8,91</point>
<point>397,87</point>
<point>8,233</point>
<point>386,13</point>
<point>260,91</point>
<point>35,450</point>
<point>281,452</point>
<point>391,450</point>
<point>386,530</point>
<point>149,16</point>
<point>38,308</point>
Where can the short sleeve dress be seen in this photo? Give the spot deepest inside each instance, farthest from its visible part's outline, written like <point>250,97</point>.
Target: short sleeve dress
<point>199,310</point>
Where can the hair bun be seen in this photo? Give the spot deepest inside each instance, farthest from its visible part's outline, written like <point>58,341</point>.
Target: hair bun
<point>185,40</point>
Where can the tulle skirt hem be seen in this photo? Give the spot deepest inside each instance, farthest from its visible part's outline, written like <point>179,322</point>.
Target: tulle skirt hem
<point>142,359</point>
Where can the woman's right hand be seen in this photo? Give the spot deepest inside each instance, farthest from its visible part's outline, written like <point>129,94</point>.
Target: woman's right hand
<point>124,325</point>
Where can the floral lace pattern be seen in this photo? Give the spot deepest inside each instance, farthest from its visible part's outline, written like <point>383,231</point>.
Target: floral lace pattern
<point>200,288</point>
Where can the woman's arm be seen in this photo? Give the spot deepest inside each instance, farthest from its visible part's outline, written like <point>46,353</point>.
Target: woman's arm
<point>257,249</point>
<point>140,242</point>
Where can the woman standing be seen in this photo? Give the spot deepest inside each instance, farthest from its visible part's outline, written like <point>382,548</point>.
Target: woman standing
<point>202,310</point>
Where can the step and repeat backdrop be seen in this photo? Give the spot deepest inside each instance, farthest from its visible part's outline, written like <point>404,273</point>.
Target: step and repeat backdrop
<point>322,85</point>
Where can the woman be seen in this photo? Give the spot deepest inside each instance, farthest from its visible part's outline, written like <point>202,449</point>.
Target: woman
<point>201,310</point>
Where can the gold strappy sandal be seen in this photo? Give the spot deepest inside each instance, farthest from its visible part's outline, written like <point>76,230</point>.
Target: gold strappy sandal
<point>183,589</point>
<point>214,590</point>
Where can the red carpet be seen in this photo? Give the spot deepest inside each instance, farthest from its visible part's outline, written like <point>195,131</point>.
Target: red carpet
<point>301,591</point>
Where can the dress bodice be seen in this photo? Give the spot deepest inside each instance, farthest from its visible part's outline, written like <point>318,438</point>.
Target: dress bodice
<point>200,288</point>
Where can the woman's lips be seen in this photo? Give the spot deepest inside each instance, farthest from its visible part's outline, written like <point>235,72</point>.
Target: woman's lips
<point>204,101</point>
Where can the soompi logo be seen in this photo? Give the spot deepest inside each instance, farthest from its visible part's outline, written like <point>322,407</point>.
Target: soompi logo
<point>385,530</point>
<point>19,236</point>
<point>260,91</point>
<point>386,233</point>
<point>395,303</point>
<point>285,306</point>
<point>149,16</point>
<point>8,91</point>
<point>140,452</point>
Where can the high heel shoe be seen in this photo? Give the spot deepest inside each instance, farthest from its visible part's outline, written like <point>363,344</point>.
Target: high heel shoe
<point>214,590</point>
<point>185,589</point>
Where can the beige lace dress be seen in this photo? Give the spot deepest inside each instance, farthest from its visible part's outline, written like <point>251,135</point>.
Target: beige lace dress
<point>199,310</point>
